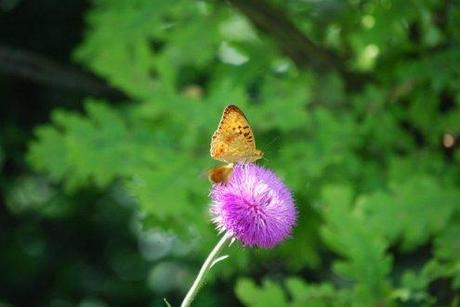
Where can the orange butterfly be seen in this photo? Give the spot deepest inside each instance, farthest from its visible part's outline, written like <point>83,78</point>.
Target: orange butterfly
<point>232,142</point>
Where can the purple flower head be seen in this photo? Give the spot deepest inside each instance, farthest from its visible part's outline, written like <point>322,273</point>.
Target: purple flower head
<point>254,206</point>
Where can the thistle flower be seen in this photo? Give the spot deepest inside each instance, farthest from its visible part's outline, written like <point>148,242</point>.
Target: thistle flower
<point>254,206</point>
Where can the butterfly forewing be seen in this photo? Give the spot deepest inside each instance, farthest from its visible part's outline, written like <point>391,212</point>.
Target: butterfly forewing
<point>233,140</point>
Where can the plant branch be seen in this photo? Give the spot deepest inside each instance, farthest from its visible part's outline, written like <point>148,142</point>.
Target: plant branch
<point>294,43</point>
<point>271,20</point>
<point>34,67</point>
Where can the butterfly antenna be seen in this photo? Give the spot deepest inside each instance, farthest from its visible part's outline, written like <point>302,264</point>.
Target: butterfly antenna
<point>274,140</point>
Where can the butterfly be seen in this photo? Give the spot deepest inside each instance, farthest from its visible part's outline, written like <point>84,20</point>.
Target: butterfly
<point>232,142</point>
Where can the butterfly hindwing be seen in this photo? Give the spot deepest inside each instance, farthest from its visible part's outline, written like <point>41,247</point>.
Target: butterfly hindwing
<point>220,173</point>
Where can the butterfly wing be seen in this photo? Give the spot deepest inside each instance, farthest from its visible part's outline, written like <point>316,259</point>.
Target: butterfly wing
<point>233,140</point>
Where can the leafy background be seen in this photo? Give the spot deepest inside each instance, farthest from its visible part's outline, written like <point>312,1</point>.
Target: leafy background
<point>356,105</point>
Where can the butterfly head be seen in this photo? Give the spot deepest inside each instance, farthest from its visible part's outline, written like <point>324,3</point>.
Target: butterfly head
<point>258,154</point>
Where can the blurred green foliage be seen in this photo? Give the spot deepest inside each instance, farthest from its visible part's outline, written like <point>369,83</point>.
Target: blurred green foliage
<point>372,161</point>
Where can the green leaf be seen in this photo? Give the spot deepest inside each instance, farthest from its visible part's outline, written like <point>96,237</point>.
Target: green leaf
<point>346,232</point>
<point>412,211</point>
<point>268,294</point>
<point>321,295</point>
<point>300,293</point>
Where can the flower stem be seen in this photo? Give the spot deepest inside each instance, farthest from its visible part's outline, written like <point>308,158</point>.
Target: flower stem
<point>213,255</point>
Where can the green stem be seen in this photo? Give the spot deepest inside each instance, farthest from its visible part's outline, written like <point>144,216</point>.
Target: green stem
<point>204,269</point>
